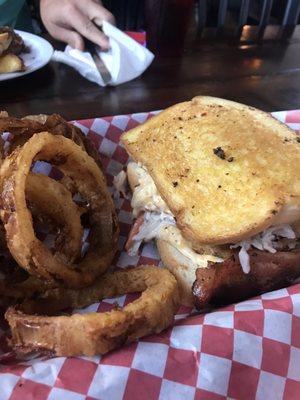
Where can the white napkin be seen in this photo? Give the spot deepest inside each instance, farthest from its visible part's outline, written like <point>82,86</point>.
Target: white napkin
<point>125,60</point>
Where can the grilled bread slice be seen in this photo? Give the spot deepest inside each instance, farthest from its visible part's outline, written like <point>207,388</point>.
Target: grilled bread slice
<point>226,171</point>
<point>170,251</point>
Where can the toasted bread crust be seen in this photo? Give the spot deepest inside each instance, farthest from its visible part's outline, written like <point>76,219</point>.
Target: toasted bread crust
<point>224,169</point>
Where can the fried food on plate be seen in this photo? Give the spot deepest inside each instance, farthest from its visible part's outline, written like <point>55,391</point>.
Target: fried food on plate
<point>11,63</point>
<point>5,41</point>
<point>97,333</point>
<point>11,45</point>
<point>211,179</point>
<point>17,45</point>
<point>31,253</point>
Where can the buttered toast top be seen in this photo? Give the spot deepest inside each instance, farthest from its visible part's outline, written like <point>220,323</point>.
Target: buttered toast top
<point>225,170</point>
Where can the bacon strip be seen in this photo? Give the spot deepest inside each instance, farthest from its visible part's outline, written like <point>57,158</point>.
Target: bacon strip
<point>225,283</point>
<point>134,231</point>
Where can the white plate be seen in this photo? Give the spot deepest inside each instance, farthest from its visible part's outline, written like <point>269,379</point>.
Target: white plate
<point>38,56</point>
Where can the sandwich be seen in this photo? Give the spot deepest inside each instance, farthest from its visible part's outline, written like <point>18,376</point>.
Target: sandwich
<point>217,185</point>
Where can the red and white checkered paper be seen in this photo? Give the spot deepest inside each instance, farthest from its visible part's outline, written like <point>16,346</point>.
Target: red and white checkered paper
<point>249,350</point>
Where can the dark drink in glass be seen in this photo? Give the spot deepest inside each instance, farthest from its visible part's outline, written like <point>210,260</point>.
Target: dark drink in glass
<point>167,22</point>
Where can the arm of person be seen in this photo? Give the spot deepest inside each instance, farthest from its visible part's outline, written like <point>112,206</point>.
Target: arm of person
<point>73,20</point>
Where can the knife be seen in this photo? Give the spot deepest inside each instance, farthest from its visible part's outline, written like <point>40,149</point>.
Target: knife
<point>101,67</point>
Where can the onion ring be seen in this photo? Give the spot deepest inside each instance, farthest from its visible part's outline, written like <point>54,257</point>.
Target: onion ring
<point>28,251</point>
<point>98,333</point>
<point>17,292</point>
<point>16,285</point>
<point>23,129</point>
<point>52,199</point>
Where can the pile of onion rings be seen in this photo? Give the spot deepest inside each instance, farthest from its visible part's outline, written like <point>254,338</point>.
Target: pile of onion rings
<point>40,278</point>
<point>25,247</point>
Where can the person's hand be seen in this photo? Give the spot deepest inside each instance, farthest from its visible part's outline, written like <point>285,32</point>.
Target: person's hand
<point>71,20</point>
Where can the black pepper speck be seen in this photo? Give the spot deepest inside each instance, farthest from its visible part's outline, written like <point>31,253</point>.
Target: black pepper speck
<point>219,152</point>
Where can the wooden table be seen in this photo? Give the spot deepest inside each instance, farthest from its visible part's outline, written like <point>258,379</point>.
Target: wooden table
<point>265,76</point>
